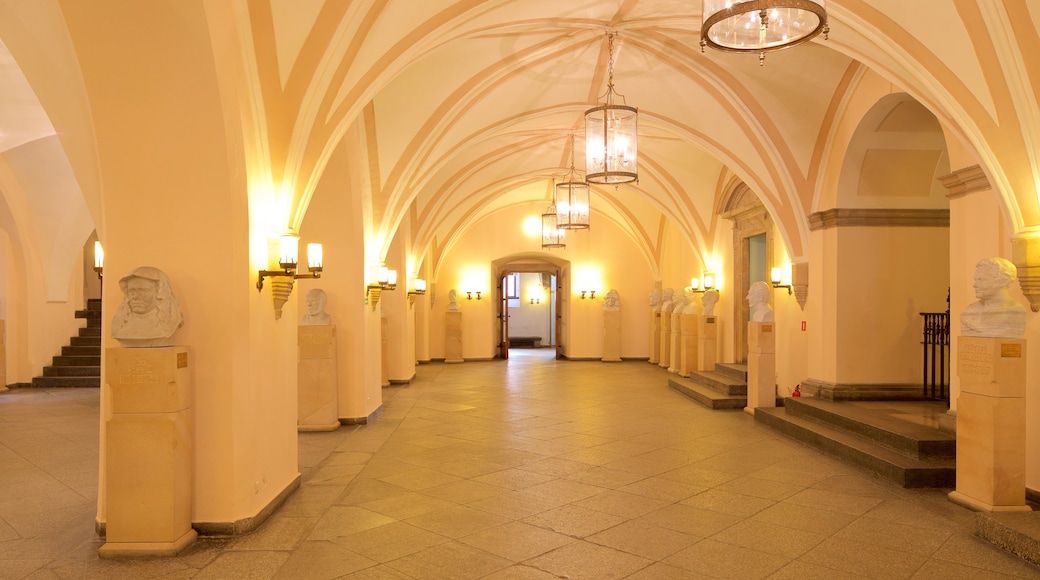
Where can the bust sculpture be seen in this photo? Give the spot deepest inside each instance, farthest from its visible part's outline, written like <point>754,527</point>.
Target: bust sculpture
<point>995,314</point>
<point>758,301</point>
<point>612,302</point>
<point>316,315</point>
<point>690,301</point>
<point>667,305</point>
<point>149,314</point>
<point>655,300</point>
<point>453,300</point>
<point>708,302</point>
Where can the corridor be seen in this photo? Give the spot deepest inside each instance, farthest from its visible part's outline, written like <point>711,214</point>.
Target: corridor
<point>529,468</point>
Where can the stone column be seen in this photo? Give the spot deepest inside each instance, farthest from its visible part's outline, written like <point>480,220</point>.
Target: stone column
<point>761,384</point>
<point>149,460</point>
<point>707,342</point>
<point>453,337</point>
<point>317,385</point>
<point>611,336</point>
<point>689,344</point>
<point>991,424</point>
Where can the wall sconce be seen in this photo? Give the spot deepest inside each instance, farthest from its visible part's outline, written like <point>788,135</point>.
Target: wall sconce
<point>420,289</point>
<point>386,279</point>
<point>99,258</point>
<point>536,300</point>
<point>591,293</point>
<point>775,276</point>
<point>470,293</point>
<point>288,260</point>
<point>703,284</point>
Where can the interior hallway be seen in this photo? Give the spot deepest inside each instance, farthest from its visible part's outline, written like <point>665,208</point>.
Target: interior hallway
<point>525,469</point>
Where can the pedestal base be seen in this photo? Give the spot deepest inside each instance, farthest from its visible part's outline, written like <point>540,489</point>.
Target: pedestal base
<point>453,337</point>
<point>611,336</point>
<point>317,385</point>
<point>980,506</point>
<point>761,382</point>
<point>147,549</point>
<point>664,341</point>
<point>707,345</point>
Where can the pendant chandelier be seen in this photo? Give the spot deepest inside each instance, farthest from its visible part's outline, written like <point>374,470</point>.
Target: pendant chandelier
<point>572,199</point>
<point>610,135</point>
<point>761,25</point>
<point>552,235</point>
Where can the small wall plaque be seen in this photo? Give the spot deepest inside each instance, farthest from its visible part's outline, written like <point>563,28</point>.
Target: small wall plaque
<point>710,320</point>
<point>182,360</point>
<point>1010,351</point>
<point>767,328</point>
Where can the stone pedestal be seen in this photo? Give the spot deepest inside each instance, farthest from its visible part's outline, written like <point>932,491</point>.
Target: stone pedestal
<point>655,331</point>
<point>453,337</point>
<point>664,340</point>
<point>707,342</point>
<point>675,344</point>
<point>149,458</point>
<point>688,347</point>
<point>991,424</point>
<point>611,336</point>
<point>761,381</point>
<point>317,385</point>
<point>384,360</point>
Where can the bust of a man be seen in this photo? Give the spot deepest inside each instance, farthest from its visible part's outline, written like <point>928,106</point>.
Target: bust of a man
<point>612,302</point>
<point>995,314</point>
<point>758,301</point>
<point>316,316</point>
<point>655,299</point>
<point>690,301</point>
<point>453,300</point>
<point>667,305</point>
<point>708,302</point>
<point>149,314</point>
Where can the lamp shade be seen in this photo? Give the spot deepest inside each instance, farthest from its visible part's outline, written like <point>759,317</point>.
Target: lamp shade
<point>552,234</point>
<point>572,205</point>
<point>99,255</point>
<point>314,257</point>
<point>761,25</point>
<point>288,251</point>
<point>611,144</point>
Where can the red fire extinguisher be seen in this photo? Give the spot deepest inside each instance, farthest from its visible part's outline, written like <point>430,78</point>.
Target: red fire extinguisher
<point>797,391</point>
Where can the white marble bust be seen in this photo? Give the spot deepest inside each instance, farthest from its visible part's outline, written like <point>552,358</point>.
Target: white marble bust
<point>708,301</point>
<point>316,315</point>
<point>655,300</point>
<point>149,314</point>
<point>690,301</point>
<point>612,302</point>
<point>667,304</point>
<point>995,314</point>
<point>758,301</point>
<point>453,300</point>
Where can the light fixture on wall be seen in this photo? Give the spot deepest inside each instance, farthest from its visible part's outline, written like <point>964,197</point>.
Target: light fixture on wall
<point>99,258</point>
<point>776,275</point>
<point>536,300</point>
<point>611,147</point>
<point>288,259</point>
<point>470,293</point>
<point>419,289</point>
<point>572,199</point>
<point>703,284</point>
<point>386,279</point>
<point>761,25</point>
<point>552,235</point>
<point>591,293</point>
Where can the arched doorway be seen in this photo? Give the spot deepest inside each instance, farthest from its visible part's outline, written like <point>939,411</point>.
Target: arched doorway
<point>529,302</point>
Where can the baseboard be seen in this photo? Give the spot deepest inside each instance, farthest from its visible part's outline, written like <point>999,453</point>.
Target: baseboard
<point>19,386</point>
<point>229,529</point>
<point>635,358</point>
<point>862,392</point>
<point>403,381</point>
<point>422,362</point>
<point>1033,496</point>
<point>361,420</point>
<point>436,359</point>
<point>581,358</point>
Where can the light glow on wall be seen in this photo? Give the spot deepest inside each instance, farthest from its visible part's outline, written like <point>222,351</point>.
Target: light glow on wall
<point>533,226</point>
<point>474,279</point>
<point>587,277</point>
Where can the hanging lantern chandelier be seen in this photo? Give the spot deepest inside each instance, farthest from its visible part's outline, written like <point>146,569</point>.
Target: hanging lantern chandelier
<point>572,199</point>
<point>761,25</point>
<point>552,234</point>
<point>611,149</point>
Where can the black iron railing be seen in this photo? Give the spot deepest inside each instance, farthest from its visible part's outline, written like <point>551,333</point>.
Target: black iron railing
<point>936,379</point>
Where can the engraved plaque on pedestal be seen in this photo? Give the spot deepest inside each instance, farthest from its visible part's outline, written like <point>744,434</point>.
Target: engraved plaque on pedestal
<point>317,385</point>
<point>148,461</point>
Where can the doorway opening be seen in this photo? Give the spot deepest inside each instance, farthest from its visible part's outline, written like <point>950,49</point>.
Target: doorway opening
<point>529,310</point>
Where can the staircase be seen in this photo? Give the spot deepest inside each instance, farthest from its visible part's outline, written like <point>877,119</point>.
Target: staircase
<point>723,388</point>
<point>79,364</point>
<point>904,452</point>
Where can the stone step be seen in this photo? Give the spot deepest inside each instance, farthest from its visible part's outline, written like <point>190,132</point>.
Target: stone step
<point>76,361</point>
<point>86,341</point>
<point>707,397</point>
<point>736,371</point>
<point>1016,532</point>
<point>90,331</point>
<point>71,371</point>
<point>720,383</point>
<point>895,466</point>
<point>94,304</point>
<point>57,382</point>
<point>80,350</point>
<point>905,437</point>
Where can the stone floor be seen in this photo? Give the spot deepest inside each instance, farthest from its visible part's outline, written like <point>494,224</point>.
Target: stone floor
<point>523,469</point>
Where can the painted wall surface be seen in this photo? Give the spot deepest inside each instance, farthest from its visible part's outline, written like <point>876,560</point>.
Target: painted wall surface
<point>886,276</point>
<point>602,258</point>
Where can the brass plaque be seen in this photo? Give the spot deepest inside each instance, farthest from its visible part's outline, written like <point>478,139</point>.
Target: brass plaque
<point>1010,351</point>
<point>710,320</point>
<point>767,328</point>
<point>182,360</point>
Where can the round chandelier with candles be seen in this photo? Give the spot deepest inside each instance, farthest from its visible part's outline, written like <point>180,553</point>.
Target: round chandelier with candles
<point>761,25</point>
